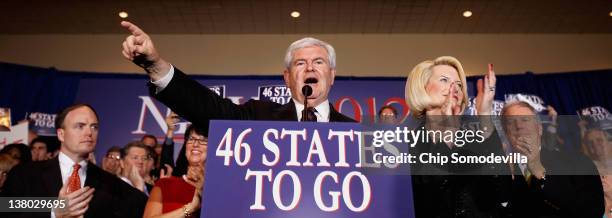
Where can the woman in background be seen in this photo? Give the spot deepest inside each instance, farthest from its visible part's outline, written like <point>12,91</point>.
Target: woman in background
<point>180,196</point>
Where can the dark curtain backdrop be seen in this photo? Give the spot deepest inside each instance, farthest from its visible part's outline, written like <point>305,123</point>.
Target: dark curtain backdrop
<point>33,89</point>
<point>566,92</point>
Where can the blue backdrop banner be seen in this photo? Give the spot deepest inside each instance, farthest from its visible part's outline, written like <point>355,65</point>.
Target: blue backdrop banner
<point>127,112</point>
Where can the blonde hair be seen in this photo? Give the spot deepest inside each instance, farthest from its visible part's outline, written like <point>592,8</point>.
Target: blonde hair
<point>416,95</point>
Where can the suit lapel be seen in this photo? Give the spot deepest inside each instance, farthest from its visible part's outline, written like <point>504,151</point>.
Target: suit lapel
<point>93,181</point>
<point>519,180</point>
<point>92,175</point>
<point>334,115</point>
<point>53,177</point>
<point>287,112</point>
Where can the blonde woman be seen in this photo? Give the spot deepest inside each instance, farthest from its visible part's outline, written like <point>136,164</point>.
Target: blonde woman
<point>436,91</point>
<point>438,87</point>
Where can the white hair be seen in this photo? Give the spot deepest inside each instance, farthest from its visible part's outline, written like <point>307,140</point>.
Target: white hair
<point>307,42</point>
<point>519,103</point>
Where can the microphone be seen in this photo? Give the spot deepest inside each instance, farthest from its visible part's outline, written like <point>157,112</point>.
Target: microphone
<point>307,91</point>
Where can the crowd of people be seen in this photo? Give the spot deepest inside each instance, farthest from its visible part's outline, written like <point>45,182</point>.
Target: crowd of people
<point>129,175</point>
<point>152,179</point>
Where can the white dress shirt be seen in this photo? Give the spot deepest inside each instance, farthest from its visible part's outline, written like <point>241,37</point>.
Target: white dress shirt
<point>322,111</point>
<point>66,169</point>
<point>164,81</point>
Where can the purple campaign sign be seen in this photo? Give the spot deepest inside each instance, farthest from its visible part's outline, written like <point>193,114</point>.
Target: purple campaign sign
<point>292,169</point>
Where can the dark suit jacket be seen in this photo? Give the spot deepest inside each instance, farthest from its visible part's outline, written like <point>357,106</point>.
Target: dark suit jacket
<point>167,154</point>
<point>149,188</point>
<point>198,104</point>
<point>571,188</point>
<point>111,198</point>
<point>459,190</point>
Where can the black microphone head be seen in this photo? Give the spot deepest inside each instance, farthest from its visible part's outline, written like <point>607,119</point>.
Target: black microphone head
<point>307,90</point>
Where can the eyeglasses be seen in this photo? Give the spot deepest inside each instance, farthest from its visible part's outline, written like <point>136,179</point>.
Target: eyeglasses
<point>387,115</point>
<point>202,141</point>
<point>114,157</point>
<point>143,158</point>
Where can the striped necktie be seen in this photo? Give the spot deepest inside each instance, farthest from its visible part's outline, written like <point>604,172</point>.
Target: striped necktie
<point>309,116</point>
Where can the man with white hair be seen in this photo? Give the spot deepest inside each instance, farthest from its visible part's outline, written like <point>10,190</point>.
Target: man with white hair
<point>308,61</point>
<point>551,183</point>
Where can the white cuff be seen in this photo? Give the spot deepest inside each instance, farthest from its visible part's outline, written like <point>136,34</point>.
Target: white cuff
<point>164,81</point>
<point>551,129</point>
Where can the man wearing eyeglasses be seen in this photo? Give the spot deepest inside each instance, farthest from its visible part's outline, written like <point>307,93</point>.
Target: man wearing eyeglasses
<point>110,163</point>
<point>134,156</point>
<point>387,115</point>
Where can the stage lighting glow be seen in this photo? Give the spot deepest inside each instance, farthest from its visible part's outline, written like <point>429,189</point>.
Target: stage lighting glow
<point>123,14</point>
<point>295,14</point>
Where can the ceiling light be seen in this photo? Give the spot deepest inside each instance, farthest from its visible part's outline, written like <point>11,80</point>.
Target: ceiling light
<point>467,13</point>
<point>610,13</point>
<point>123,14</point>
<point>295,14</point>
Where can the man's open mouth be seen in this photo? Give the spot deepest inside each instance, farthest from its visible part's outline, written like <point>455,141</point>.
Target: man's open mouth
<point>311,80</point>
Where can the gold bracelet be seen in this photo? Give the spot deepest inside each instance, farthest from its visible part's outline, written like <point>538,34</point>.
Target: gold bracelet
<point>186,211</point>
